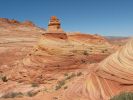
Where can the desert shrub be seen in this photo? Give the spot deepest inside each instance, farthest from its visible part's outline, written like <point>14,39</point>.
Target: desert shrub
<point>71,76</point>
<point>83,61</point>
<point>91,48</point>
<point>55,98</point>
<point>123,96</point>
<point>65,87</point>
<point>60,84</point>
<point>57,87</point>
<point>79,73</point>
<point>106,50</point>
<point>13,95</point>
<point>31,93</point>
<point>66,74</point>
<point>4,78</point>
<point>103,51</point>
<point>34,85</point>
<point>85,53</point>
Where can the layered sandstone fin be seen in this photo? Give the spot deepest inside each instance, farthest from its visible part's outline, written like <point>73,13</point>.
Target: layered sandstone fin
<point>119,66</point>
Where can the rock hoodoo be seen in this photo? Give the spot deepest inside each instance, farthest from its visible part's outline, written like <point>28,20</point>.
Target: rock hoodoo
<point>54,25</point>
<point>54,29</point>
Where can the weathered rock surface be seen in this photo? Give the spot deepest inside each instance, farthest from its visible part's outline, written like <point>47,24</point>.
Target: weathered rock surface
<point>55,54</point>
<point>110,77</point>
<point>54,25</point>
<point>11,26</point>
<point>54,30</point>
<point>119,66</point>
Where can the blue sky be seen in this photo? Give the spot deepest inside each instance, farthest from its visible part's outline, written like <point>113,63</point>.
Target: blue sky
<point>105,17</point>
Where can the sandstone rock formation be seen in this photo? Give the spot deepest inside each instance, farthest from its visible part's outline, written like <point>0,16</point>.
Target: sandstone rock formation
<point>55,54</point>
<point>5,21</point>
<point>54,29</point>
<point>16,40</point>
<point>119,66</point>
<point>55,51</point>
<point>54,25</point>
<point>110,77</point>
<point>28,23</point>
<point>12,26</point>
<point>88,38</point>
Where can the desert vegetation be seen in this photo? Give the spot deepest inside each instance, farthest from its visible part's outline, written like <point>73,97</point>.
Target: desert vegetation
<point>123,96</point>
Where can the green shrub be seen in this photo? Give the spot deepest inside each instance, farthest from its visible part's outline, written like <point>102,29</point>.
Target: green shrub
<point>57,87</point>
<point>60,84</point>
<point>12,95</point>
<point>31,93</point>
<point>123,96</point>
<point>71,76</point>
<point>34,85</point>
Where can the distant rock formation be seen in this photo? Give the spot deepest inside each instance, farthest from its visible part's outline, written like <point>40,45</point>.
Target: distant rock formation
<point>5,21</point>
<point>54,29</point>
<point>28,23</point>
<point>88,38</point>
<point>54,25</point>
<point>14,26</point>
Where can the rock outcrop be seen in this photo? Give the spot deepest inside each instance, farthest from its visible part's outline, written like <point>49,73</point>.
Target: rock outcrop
<point>55,51</point>
<point>58,55</point>
<point>110,77</point>
<point>119,66</point>
<point>28,23</point>
<point>88,38</point>
<point>54,25</point>
<point>54,30</point>
<point>5,21</point>
<point>11,26</point>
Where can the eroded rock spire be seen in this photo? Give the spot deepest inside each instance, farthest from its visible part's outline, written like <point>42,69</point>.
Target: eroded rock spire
<point>54,25</point>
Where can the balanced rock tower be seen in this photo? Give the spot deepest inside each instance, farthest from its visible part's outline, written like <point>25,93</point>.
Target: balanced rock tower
<point>54,29</point>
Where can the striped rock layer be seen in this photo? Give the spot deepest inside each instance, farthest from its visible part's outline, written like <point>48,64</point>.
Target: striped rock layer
<point>110,77</point>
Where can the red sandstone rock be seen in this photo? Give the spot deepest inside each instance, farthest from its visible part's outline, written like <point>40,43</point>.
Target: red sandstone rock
<point>54,25</point>
<point>54,29</point>
<point>111,77</point>
<point>54,54</point>
<point>28,23</point>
